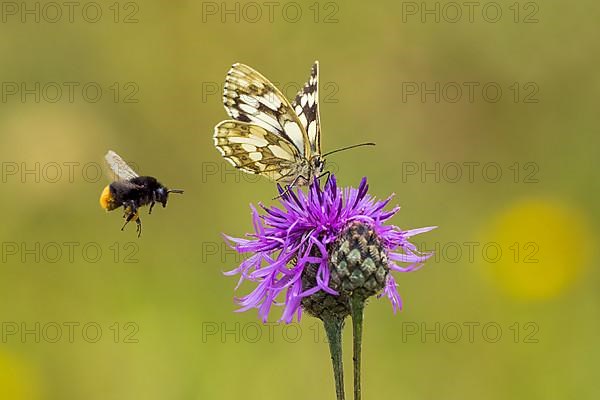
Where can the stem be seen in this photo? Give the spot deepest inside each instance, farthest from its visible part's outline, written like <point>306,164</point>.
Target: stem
<point>333,328</point>
<point>357,307</point>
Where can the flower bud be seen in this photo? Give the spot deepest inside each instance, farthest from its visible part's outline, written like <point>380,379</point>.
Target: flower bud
<point>358,266</point>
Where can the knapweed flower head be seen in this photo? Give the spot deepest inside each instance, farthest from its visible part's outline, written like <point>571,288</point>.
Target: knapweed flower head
<point>322,245</point>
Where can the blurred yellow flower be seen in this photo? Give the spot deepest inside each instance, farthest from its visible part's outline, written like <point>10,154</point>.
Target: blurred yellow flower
<point>17,381</point>
<point>540,247</point>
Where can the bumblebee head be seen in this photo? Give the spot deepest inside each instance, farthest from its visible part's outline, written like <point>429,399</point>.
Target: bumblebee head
<point>107,199</point>
<point>162,194</point>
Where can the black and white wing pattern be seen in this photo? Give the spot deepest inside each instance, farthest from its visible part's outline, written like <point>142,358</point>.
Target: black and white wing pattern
<point>119,167</point>
<point>306,106</point>
<point>266,136</point>
<point>255,150</point>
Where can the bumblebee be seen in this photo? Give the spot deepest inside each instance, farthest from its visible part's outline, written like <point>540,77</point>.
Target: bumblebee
<point>132,191</point>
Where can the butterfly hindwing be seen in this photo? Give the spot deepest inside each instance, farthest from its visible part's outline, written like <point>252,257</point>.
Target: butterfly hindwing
<point>306,106</point>
<point>256,150</point>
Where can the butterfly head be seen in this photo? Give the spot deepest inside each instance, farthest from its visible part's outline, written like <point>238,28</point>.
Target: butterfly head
<point>316,164</point>
<point>309,170</point>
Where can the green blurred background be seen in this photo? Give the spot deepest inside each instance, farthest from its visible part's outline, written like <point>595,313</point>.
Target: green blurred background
<point>168,330</point>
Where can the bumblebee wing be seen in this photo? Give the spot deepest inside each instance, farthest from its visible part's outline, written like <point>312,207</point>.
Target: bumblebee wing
<point>119,167</point>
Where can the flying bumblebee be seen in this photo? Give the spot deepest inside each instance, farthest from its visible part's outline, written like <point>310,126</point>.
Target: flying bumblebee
<point>132,191</point>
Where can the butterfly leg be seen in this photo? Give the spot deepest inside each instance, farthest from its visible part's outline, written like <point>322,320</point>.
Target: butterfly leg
<point>323,174</point>
<point>290,186</point>
<point>287,189</point>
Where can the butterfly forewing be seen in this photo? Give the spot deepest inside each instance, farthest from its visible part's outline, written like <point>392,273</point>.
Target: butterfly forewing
<point>250,97</point>
<point>119,167</point>
<point>306,106</point>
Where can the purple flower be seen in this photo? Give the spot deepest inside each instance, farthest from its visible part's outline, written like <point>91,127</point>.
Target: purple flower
<point>287,240</point>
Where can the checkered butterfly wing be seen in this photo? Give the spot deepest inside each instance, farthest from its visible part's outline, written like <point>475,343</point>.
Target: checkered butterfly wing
<point>255,150</point>
<point>306,106</point>
<point>266,136</point>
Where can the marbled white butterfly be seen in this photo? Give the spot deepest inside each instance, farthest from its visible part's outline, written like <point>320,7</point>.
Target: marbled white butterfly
<point>269,136</point>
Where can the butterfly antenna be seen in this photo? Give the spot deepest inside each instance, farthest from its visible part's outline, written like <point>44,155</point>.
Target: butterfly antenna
<point>349,147</point>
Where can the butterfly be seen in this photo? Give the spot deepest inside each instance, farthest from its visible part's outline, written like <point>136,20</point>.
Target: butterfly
<point>269,136</point>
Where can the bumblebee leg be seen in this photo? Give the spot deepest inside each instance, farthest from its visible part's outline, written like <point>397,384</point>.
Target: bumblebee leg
<point>128,209</point>
<point>151,205</point>
<point>131,212</point>
<point>129,218</point>
<point>138,221</point>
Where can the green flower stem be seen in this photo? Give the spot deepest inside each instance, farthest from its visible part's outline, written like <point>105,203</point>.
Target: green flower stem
<point>333,328</point>
<point>357,307</point>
